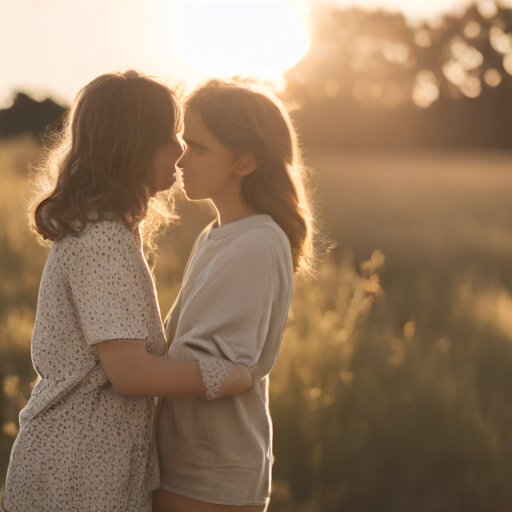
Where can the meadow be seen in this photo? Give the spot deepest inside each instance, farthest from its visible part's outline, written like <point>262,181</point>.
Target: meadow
<point>393,391</point>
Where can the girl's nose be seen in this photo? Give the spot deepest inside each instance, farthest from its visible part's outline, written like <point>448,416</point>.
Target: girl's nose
<point>182,158</point>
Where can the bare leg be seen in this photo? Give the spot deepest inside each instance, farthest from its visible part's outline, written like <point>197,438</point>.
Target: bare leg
<point>165,501</point>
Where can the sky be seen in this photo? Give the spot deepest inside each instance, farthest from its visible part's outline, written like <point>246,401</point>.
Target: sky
<point>53,47</point>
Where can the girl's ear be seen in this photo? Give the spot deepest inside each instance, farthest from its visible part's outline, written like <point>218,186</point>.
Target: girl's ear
<point>246,164</point>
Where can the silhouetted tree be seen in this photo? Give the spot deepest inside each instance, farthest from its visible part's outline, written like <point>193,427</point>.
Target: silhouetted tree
<point>29,116</point>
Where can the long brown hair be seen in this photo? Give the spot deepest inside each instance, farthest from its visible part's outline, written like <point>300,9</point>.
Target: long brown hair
<point>102,160</point>
<point>247,120</point>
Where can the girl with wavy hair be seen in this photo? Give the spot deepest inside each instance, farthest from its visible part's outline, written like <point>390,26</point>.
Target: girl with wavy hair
<point>86,439</point>
<point>241,154</point>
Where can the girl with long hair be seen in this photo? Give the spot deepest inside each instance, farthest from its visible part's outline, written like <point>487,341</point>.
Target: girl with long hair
<point>242,154</point>
<point>86,439</point>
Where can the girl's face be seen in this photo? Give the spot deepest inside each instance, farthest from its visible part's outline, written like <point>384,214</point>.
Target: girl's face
<point>165,165</point>
<point>209,169</point>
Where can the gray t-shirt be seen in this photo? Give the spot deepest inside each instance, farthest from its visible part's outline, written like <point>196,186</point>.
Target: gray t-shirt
<point>233,304</point>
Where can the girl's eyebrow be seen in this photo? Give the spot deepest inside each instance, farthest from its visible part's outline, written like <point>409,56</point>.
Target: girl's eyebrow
<point>194,144</point>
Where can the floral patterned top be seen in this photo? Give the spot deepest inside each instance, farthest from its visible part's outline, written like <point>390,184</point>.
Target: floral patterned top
<point>82,445</point>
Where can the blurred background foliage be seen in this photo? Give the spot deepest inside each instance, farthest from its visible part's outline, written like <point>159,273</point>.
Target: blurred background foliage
<point>371,79</point>
<point>393,391</point>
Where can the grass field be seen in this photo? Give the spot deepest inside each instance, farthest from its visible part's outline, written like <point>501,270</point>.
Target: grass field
<point>393,391</point>
<point>433,201</point>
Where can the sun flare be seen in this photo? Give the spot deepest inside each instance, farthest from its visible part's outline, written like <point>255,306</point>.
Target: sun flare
<point>257,37</point>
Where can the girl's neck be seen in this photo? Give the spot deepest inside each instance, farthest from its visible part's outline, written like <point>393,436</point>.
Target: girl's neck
<point>231,211</point>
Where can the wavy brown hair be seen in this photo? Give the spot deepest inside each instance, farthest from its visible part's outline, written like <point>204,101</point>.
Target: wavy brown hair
<point>248,120</point>
<point>101,162</point>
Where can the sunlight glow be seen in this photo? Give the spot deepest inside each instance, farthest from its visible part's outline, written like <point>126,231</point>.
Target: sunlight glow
<point>500,41</point>
<point>415,10</point>
<point>493,77</point>
<point>261,38</point>
<point>426,90</point>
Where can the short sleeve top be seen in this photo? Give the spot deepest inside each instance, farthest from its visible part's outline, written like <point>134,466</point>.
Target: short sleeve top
<point>233,305</point>
<point>95,287</point>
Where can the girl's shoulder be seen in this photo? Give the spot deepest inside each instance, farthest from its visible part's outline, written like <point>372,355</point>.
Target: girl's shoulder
<point>107,240</point>
<point>109,231</point>
<point>264,248</point>
<point>264,235</point>
<point>263,244</point>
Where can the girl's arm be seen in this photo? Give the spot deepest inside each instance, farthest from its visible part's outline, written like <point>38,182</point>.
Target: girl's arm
<point>133,371</point>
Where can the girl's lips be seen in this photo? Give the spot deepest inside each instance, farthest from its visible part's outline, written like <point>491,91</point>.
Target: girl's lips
<point>178,175</point>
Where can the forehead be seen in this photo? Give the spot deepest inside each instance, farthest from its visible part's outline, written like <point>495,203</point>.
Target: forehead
<point>195,130</point>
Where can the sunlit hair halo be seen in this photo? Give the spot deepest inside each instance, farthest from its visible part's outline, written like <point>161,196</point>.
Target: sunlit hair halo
<point>101,162</point>
<point>247,118</point>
